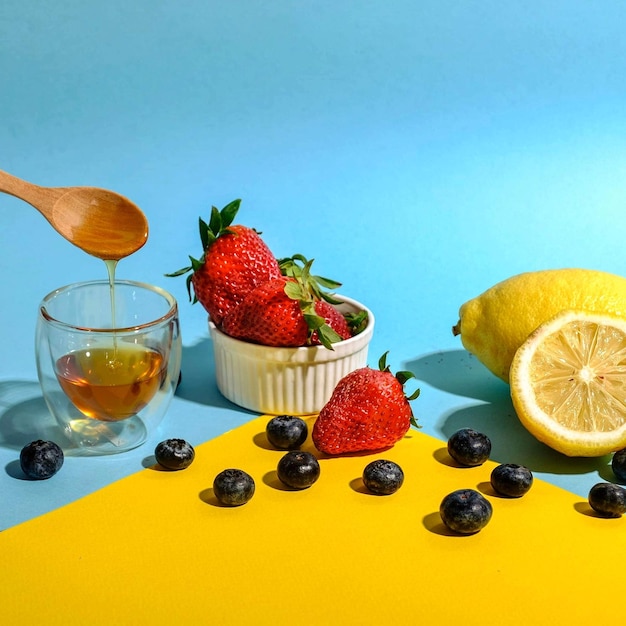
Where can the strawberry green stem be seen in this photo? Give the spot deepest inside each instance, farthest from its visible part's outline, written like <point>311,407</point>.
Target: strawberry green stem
<point>401,377</point>
<point>307,289</point>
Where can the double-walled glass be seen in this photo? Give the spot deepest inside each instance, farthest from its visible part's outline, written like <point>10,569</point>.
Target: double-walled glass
<point>108,361</point>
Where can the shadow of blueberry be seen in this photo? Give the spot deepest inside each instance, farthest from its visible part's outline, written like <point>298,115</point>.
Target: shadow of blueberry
<point>433,523</point>
<point>260,440</point>
<point>486,488</point>
<point>606,473</point>
<point>357,484</point>
<point>271,480</point>
<point>208,497</point>
<point>150,462</point>
<point>441,456</point>
<point>14,470</point>
<point>584,508</point>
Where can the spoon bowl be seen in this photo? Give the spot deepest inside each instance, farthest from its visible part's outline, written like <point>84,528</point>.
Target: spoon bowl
<point>100,222</point>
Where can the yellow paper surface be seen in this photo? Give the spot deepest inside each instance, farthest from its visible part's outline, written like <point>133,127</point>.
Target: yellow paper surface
<point>156,548</point>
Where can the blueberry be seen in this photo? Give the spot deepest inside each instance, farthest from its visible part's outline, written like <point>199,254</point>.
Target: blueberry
<point>465,511</point>
<point>286,432</point>
<point>469,447</point>
<point>174,454</point>
<point>511,480</point>
<point>608,500</point>
<point>383,477</point>
<point>618,464</point>
<point>233,487</point>
<point>41,459</point>
<point>298,469</point>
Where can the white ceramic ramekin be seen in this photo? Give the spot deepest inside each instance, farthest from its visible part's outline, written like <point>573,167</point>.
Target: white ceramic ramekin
<point>287,381</point>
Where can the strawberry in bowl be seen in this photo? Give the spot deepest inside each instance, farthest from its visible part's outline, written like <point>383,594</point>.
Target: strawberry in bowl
<point>281,340</point>
<point>234,261</point>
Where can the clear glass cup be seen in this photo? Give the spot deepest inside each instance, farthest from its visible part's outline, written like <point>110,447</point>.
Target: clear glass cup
<point>108,361</point>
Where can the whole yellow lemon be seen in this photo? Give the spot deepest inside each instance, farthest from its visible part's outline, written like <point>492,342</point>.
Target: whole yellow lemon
<point>496,323</point>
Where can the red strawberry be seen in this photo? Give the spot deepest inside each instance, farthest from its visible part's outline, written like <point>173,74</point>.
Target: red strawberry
<point>334,318</point>
<point>267,315</point>
<point>235,261</point>
<point>367,411</point>
<point>290,311</point>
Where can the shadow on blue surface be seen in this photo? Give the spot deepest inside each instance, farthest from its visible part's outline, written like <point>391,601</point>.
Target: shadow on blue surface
<point>198,377</point>
<point>459,373</point>
<point>24,415</point>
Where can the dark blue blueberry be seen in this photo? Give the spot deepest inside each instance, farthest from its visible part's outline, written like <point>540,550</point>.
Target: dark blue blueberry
<point>383,477</point>
<point>286,432</point>
<point>618,464</point>
<point>298,469</point>
<point>608,499</point>
<point>465,511</point>
<point>469,447</point>
<point>233,487</point>
<point>511,480</point>
<point>174,454</point>
<point>41,459</point>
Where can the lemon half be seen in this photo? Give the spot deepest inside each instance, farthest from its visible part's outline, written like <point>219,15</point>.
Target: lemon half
<point>568,383</point>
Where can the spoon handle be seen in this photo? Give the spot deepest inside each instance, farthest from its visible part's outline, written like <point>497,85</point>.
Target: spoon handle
<point>42,198</point>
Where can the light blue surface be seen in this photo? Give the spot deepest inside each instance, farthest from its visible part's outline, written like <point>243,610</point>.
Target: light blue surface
<point>419,151</point>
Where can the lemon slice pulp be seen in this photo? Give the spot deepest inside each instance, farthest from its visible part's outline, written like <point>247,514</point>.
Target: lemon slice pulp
<point>568,383</point>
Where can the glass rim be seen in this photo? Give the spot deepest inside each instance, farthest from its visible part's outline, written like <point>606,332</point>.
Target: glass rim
<point>168,297</point>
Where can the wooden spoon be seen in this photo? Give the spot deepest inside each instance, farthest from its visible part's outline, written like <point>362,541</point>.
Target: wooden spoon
<point>100,222</point>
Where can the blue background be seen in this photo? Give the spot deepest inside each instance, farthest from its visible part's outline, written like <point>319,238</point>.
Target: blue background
<point>420,151</point>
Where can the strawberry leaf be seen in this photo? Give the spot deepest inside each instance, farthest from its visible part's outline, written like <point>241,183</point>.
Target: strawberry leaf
<point>328,297</point>
<point>196,264</point>
<point>291,261</point>
<point>414,395</point>
<point>327,336</point>
<point>215,223</point>
<point>299,267</point>
<point>179,272</point>
<point>192,296</point>
<point>294,290</point>
<point>328,283</point>
<point>357,322</point>
<point>307,290</point>
<point>314,322</point>
<point>403,376</point>
<point>229,212</point>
